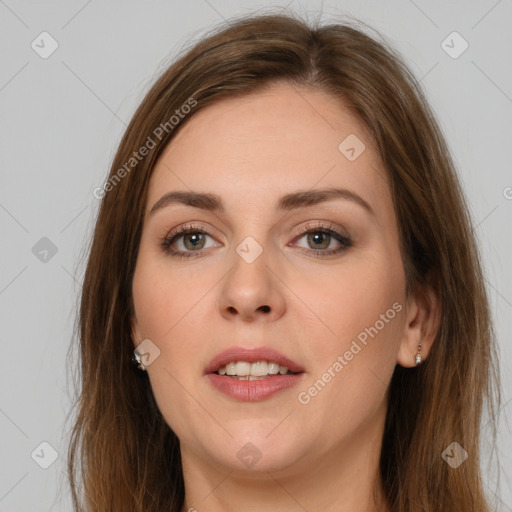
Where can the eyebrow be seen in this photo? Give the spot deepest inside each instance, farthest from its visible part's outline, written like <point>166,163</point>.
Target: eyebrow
<point>294,200</point>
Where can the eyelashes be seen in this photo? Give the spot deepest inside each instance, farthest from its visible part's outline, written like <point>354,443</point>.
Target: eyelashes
<point>182,232</point>
<point>313,234</point>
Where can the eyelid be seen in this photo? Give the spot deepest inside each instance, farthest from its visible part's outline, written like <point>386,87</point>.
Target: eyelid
<point>192,226</point>
<point>182,230</point>
<point>325,225</point>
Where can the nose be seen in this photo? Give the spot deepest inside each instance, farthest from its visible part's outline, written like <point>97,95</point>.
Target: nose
<point>252,292</point>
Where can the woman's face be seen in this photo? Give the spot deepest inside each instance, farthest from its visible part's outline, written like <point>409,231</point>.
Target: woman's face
<point>277,265</point>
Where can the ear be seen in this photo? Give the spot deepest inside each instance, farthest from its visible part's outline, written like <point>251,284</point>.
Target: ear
<point>423,316</point>
<point>136,335</point>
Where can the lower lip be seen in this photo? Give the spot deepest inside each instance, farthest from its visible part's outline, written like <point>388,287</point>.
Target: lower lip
<point>253,390</point>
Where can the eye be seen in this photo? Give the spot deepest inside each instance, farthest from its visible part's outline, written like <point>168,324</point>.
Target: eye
<point>189,239</point>
<point>320,238</point>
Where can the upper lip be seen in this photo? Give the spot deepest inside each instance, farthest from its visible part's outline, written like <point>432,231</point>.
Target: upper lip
<point>251,355</point>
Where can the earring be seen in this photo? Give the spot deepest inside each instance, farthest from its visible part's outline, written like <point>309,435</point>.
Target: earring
<point>137,364</point>
<point>418,355</point>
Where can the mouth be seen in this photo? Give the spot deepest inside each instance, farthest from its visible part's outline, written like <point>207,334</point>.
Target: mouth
<point>252,374</point>
<point>257,362</point>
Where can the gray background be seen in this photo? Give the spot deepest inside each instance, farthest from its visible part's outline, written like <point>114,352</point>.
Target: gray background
<point>63,116</point>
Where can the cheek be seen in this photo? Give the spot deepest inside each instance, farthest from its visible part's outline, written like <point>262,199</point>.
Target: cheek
<point>362,316</point>
<point>155,304</point>
<point>342,304</point>
<point>163,298</point>
<point>346,390</point>
<point>171,306</point>
<point>363,308</point>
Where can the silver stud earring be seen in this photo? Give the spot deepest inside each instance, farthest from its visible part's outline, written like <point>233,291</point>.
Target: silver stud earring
<point>137,362</point>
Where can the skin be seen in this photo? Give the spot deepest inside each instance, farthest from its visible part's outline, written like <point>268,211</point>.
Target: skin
<point>322,455</point>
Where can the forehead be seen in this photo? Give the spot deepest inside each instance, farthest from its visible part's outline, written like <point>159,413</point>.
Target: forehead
<point>260,146</point>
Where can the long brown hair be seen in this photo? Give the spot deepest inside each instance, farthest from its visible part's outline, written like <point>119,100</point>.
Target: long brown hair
<point>122,454</point>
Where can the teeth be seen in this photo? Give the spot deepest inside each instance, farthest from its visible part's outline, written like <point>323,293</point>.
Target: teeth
<point>273,368</point>
<point>243,368</point>
<point>231,369</point>
<point>259,368</point>
<point>246,371</point>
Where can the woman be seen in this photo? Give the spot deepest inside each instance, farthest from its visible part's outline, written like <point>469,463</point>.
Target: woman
<point>284,252</point>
